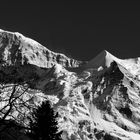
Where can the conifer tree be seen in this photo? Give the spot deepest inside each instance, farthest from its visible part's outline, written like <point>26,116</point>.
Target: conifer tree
<point>45,126</point>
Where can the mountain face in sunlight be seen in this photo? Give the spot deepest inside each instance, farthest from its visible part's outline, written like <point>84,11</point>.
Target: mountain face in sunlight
<point>95,100</point>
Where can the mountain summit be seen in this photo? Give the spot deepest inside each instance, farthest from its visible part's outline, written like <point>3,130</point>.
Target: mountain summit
<point>101,102</point>
<point>103,59</point>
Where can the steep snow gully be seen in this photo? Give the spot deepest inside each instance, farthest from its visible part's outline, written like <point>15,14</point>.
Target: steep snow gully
<point>95,100</point>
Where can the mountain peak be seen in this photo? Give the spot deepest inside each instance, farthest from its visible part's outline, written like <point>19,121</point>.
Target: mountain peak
<point>104,51</point>
<point>103,59</point>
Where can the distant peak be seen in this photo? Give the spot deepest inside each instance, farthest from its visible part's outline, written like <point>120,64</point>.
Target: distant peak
<point>105,52</point>
<point>103,59</point>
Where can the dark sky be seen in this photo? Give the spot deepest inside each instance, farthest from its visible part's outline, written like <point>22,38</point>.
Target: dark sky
<point>80,29</point>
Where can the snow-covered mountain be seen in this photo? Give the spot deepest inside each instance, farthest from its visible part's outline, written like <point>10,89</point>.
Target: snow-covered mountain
<point>100,102</point>
<point>17,49</point>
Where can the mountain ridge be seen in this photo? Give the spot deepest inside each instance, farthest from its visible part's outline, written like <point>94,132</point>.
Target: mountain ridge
<point>103,59</point>
<point>22,44</point>
<point>101,102</point>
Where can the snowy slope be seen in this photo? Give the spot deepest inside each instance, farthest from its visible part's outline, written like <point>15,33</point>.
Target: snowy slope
<point>15,46</point>
<point>100,103</point>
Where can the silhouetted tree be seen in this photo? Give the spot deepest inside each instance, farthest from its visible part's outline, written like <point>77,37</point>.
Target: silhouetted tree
<point>44,126</point>
<point>9,94</point>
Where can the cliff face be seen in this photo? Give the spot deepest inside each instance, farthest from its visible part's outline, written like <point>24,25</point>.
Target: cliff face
<point>16,49</point>
<point>101,102</point>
